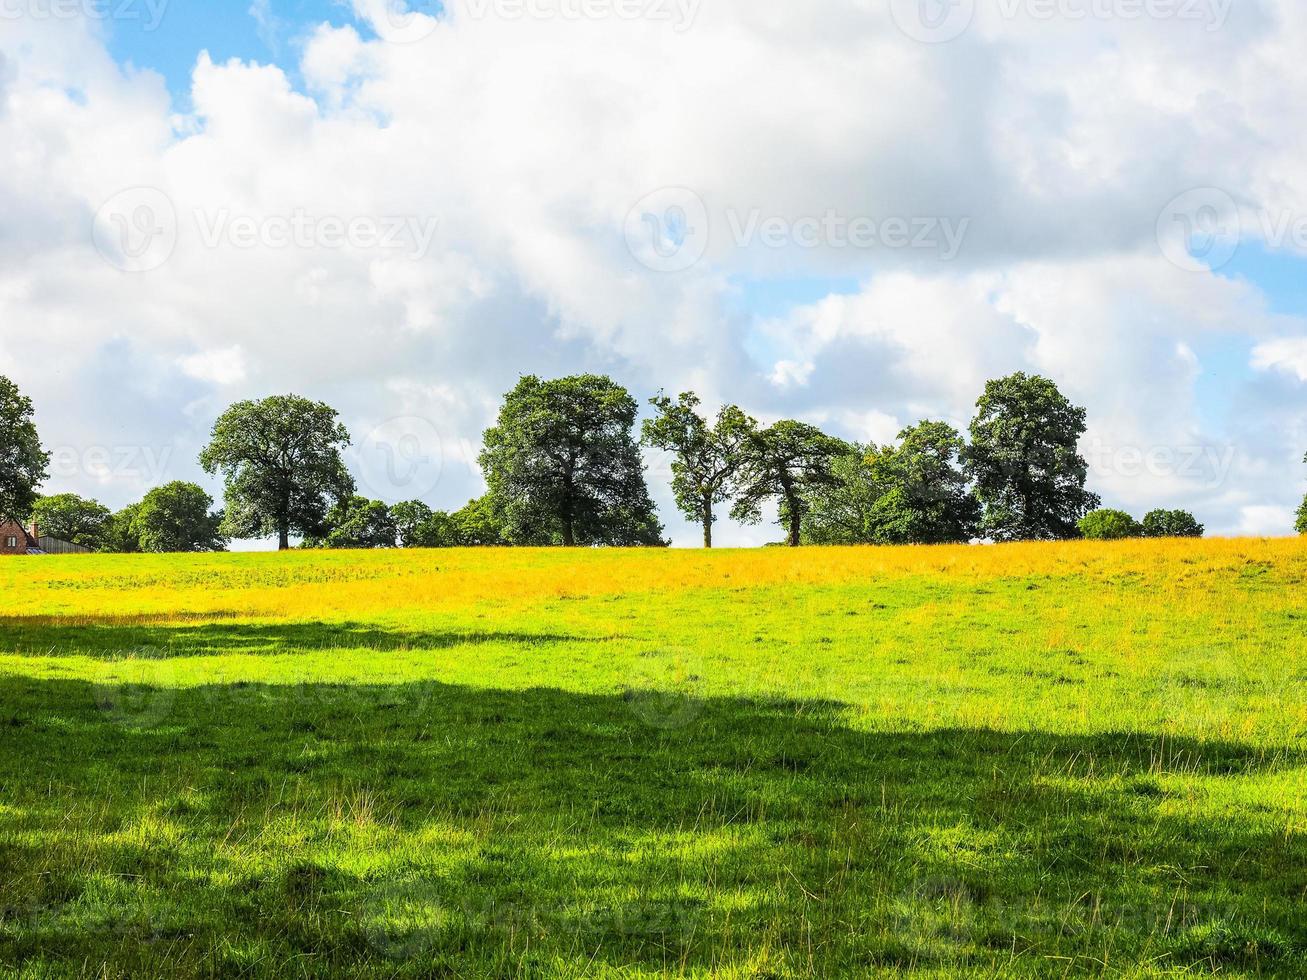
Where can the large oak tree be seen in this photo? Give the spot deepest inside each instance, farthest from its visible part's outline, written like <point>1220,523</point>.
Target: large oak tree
<point>564,468</point>
<point>22,460</point>
<point>708,455</point>
<point>282,468</point>
<point>785,462</point>
<point>1025,461</point>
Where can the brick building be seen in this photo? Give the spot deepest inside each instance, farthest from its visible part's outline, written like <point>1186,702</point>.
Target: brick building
<point>17,539</point>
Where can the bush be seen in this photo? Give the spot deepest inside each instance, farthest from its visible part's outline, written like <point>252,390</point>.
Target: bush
<point>1301,526</point>
<point>1172,524</point>
<point>1109,525</point>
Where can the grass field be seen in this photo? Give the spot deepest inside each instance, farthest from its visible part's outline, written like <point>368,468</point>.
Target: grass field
<point>1042,760</point>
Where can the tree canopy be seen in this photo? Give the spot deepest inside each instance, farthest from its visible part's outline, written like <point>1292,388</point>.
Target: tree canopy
<point>282,467</point>
<point>1109,525</point>
<point>785,462</point>
<point>1025,461</point>
<point>68,517</point>
<point>357,523</point>
<point>563,467</point>
<point>22,460</point>
<point>176,517</point>
<point>1172,524</point>
<point>707,456</point>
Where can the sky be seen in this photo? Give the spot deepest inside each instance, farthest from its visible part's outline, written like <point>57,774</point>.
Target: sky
<point>849,213</point>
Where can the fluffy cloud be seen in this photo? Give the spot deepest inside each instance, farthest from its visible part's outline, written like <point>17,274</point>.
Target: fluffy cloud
<point>448,203</point>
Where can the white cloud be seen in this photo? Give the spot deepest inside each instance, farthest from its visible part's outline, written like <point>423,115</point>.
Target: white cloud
<point>1288,354</point>
<point>220,367</point>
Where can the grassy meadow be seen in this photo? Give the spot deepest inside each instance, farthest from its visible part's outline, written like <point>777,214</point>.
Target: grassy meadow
<point>1029,760</point>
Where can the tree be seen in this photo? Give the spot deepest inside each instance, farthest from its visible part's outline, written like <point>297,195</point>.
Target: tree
<point>22,460</point>
<point>839,511</point>
<point>563,467</point>
<point>1109,525</point>
<point>281,464</point>
<point>1300,525</point>
<point>912,493</point>
<point>1172,524</point>
<point>68,517</point>
<point>120,534</point>
<point>1023,457</point>
<point>707,456</point>
<point>927,499</point>
<point>411,518</point>
<point>787,461</point>
<point>356,523</point>
<point>479,525</point>
<point>176,517</point>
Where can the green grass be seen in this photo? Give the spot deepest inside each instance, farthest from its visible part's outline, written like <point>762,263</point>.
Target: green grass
<point>1031,761</point>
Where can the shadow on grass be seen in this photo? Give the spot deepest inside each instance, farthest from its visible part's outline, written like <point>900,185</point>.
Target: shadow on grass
<point>163,640</point>
<point>430,830</point>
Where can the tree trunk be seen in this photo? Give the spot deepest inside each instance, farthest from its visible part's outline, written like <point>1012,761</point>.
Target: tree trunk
<point>283,539</point>
<point>707,522</point>
<point>795,522</point>
<point>569,538</point>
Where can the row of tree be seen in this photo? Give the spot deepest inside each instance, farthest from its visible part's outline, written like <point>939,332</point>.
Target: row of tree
<point>563,466</point>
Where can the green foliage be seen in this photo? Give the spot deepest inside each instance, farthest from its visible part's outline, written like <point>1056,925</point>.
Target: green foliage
<point>707,456</point>
<point>1023,457</point>
<point>1300,525</point>
<point>282,469</point>
<point>1172,524</point>
<point>121,535</point>
<point>68,517</point>
<point>355,524</point>
<point>787,462</point>
<point>176,518</point>
<point>22,460</point>
<point>839,511</point>
<point>418,526</point>
<point>912,493</point>
<point>1109,525</point>
<point>563,467</point>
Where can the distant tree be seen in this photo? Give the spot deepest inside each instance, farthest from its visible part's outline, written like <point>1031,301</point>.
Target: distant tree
<point>22,460</point>
<point>1172,524</point>
<point>479,525</point>
<point>410,518</point>
<point>786,462</point>
<point>282,468</point>
<point>121,535</point>
<point>68,517</point>
<point>1300,525</point>
<point>926,497</point>
<point>563,467</point>
<point>357,523</point>
<point>1023,457</point>
<point>1109,525</point>
<point>707,455</point>
<point>840,511</point>
<point>176,517</point>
